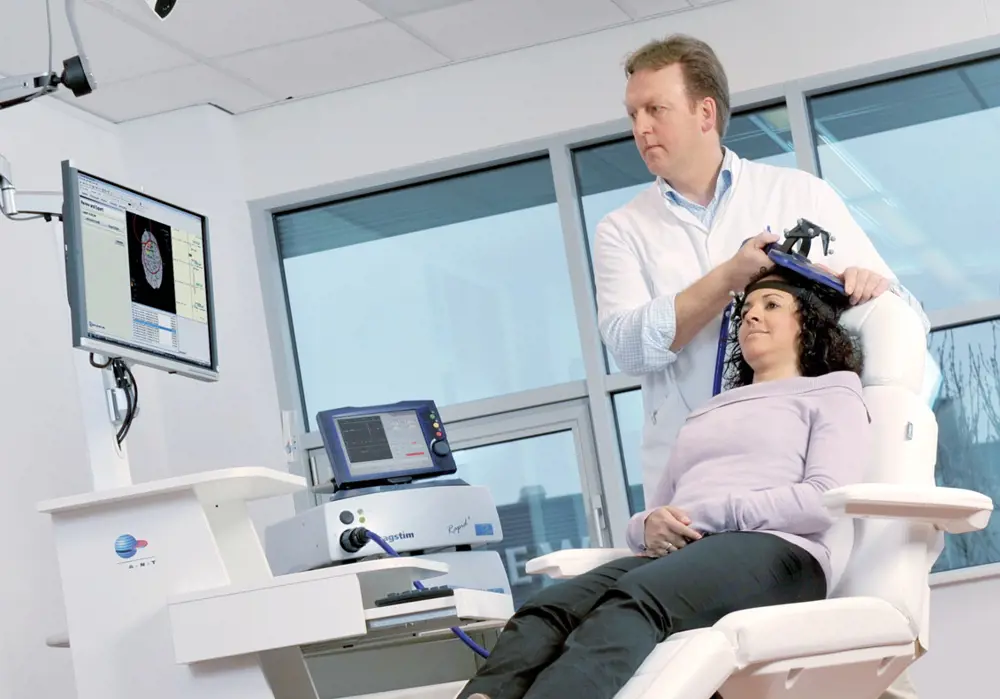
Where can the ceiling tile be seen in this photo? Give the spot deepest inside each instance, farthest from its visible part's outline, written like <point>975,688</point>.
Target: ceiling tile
<point>400,8</point>
<point>221,27</point>
<point>166,91</point>
<point>334,61</point>
<point>650,8</point>
<point>482,27</point>
<point>116,50</point>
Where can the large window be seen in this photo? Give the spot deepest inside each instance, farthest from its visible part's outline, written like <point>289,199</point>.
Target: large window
<point>913,158</point>
<point>455,289</point>
<point>459,288</point>
<point>609,175</point>
<point>968,414</point>
<point>539,498</point>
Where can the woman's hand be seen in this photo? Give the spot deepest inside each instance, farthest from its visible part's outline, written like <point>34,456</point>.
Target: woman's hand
<point>667,530</point>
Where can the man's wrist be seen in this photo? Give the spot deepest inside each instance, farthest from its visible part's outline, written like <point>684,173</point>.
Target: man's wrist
<point>727,276</point>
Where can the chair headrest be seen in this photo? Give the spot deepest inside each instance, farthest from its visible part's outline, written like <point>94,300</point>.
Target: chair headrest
<point>893,340</point>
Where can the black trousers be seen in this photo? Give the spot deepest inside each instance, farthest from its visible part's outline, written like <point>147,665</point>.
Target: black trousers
<point>585,637</point>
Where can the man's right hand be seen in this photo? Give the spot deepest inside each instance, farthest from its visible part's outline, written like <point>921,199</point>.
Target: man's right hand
<point>703,301</point>
<point>749,260</point>
<point>667,530</point>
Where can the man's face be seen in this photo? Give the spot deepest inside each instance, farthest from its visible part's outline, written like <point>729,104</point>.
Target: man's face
<point>669,130</point>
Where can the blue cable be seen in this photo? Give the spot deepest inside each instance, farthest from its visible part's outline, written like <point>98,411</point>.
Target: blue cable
<point>462,636</point>
<point>720,354</point>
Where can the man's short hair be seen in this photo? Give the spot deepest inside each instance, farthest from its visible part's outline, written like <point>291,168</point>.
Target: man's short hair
<point>703,73</point>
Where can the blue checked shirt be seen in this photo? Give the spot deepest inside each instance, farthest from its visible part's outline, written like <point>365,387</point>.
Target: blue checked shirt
<point>704,214</point>
<point>637,352</point>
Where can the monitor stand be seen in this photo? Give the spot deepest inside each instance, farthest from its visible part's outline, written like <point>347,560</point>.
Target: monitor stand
<point>109,465</point>
<point>126,550</point>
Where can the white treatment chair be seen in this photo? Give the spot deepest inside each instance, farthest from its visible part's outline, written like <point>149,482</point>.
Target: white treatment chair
<point>875,623</point>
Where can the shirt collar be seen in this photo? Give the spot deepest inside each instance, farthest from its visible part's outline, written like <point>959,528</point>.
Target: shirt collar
<point>722,183</point>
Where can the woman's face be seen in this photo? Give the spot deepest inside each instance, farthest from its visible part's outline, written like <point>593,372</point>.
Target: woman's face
<point>769,331</point>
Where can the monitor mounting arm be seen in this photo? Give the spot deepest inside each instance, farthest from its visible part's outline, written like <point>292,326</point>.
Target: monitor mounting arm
<point>75,75</point>
<point>106,405</point>
<point>27,205</point>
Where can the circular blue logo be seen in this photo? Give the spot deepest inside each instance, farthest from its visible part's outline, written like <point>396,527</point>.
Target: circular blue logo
<point>127,545</point>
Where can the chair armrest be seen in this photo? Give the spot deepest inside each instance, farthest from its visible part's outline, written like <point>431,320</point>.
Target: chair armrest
<point>569,563</point>
<point>953,510</point>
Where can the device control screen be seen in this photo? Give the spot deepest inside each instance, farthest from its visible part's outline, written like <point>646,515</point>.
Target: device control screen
<point>144,273</point>
<point>383,443</point>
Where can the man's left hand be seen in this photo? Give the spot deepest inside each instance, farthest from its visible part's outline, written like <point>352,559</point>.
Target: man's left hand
<point>860,284</point>
<point>863,284</point>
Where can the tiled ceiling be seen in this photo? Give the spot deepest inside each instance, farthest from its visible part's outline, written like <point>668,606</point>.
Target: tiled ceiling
<point>246,54</point>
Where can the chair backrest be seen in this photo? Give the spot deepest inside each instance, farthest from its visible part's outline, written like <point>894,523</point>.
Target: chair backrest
<point>892,559</point>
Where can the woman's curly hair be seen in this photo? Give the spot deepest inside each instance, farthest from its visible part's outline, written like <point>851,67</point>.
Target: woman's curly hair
<point>824,345</point>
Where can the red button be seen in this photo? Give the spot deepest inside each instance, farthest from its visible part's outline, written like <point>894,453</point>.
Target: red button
<point>438,434</point>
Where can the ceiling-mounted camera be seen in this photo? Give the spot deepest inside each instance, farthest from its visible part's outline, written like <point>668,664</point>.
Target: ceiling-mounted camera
<point>75,74</point>
<point>162,8</point>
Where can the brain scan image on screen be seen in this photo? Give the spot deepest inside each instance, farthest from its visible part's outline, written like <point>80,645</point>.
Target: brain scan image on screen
<point>152,260</point>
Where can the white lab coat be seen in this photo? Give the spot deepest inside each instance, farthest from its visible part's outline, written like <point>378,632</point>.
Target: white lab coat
<point>647,249</point>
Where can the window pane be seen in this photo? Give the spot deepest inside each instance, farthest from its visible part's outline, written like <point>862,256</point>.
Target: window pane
<point>968,414</point>
<point>536,486</point>
<point>910,156</point>
<point>535,483</point>
<point>628,417</point>
<point>456,289</point>
<point>609,175</point>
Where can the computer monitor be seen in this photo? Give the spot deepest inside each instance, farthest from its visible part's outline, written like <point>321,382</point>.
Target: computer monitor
<point>385,444</point>
<point>138,275</point>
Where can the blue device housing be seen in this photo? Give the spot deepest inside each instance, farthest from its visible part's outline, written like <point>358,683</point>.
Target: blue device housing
<point>793,253</point>
<point>427,416</point>
<point>801,265</point>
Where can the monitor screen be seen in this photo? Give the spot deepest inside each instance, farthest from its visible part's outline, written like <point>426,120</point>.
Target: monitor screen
<point>383,443</point>
<point>139,277</point>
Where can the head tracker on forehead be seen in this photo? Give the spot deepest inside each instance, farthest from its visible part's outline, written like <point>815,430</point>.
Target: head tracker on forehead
<point>805,291</point>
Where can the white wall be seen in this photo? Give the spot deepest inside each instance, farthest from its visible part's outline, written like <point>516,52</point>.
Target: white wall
<point>184,426</point>
<point>962,658</point>
<point>576,83</point>
<point>192,158</point>
<point>41,432</point>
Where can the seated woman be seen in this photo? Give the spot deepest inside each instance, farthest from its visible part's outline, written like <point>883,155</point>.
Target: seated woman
<point>737,520</point>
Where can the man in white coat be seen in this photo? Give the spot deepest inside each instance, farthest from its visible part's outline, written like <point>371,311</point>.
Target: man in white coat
<point>666,262</point>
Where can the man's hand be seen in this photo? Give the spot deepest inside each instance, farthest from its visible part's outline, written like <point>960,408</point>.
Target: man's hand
<point>862,285</point>
<point>667,530</point>
<point>702,302</point>
<point>749,260</point>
